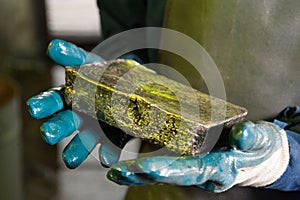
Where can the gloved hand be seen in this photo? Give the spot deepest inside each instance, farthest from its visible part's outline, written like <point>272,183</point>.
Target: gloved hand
<point>257,155</point>
<point>63,121</point>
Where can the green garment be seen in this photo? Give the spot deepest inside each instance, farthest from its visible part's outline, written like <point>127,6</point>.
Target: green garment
<point>122,15</point>
<point>254,43</point>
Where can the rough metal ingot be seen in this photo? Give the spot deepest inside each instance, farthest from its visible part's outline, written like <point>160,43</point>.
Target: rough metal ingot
<point>150,106</point>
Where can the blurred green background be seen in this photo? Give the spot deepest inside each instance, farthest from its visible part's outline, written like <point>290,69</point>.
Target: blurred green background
<point>29,167</point>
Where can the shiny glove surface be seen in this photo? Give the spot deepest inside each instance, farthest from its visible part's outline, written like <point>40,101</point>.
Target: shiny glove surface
<point>63,121</point>
<point>257,155</point>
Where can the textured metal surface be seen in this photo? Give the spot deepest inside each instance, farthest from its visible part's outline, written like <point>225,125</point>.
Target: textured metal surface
<point>149,106</point>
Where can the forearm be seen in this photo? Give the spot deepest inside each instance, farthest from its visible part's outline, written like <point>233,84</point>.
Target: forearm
<point>290,180</point>
<point>289,120</point>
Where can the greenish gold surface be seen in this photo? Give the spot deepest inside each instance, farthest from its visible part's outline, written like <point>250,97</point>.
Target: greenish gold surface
<point>147,105</point>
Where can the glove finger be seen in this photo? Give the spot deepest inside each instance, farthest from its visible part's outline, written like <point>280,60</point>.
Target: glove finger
<point>79,148</point>
<point>250,136</point>
<point>46,103</point>
<point>128,173</point>
<point>215,168</point>
<point>60,126</point>
<point>112,144</point>
<point>214,171</point>
<point>116,176</point>
<point>68,54</point>
<point>254,143</point>
<point>108,154</point>
<point>171,170</point>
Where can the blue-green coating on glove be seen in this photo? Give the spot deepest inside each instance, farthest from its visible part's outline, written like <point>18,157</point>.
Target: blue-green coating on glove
<point>79,148</point>
<point>46,103</point>
<point>242,136</point>
<point>108,154</point>
<point>64,123</point>
<point>60,126</point>
<point>251,145</point>
<point>68,54</point>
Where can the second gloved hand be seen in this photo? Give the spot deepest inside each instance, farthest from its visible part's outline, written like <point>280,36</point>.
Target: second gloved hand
<point>258,154</point>
<point>63,122</point>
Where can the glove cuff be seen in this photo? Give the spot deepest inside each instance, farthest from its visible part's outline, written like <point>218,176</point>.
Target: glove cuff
<point>270,170</point>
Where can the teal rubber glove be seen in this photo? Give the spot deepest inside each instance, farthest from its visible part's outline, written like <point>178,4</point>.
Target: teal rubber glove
<point>257,155</point>
<point>63,122</point>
